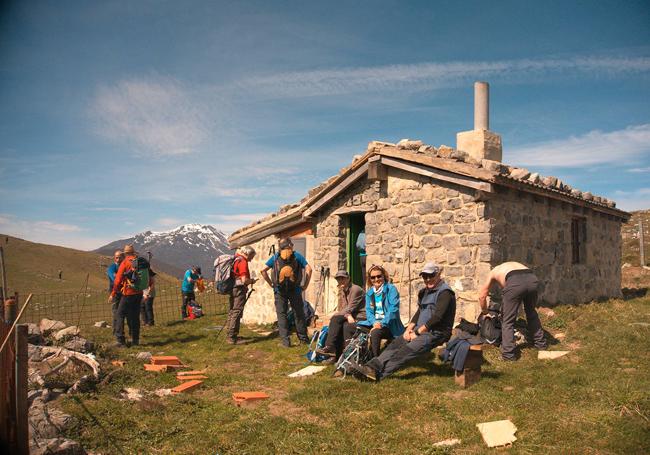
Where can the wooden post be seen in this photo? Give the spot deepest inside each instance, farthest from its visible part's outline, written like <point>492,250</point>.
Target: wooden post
<point>641,252</point>
<point>471,373</point>
<point>22,428</point>
<point>4,271</point>
<point>6,365</point>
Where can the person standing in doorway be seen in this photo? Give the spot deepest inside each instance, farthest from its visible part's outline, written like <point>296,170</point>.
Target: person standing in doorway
<point>289,268</point>
<point>361,247</point>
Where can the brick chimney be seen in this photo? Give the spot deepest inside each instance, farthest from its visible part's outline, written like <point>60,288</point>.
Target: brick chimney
<point>481,143</point>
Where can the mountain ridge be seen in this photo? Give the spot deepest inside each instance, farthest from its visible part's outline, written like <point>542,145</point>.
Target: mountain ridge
<point>178,249</point>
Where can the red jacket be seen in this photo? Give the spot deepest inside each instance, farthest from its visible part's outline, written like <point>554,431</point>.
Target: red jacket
<point>120,284</point>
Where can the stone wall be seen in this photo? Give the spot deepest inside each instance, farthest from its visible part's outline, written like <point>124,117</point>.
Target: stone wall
<point>536,231</point>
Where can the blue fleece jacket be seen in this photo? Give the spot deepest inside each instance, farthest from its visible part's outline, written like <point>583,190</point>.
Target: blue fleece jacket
<point>390,300</point>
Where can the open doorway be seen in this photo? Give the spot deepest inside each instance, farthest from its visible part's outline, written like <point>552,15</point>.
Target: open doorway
<point>355,248</point>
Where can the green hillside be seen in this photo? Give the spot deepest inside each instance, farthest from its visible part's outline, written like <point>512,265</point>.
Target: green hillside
<point>34,267</point>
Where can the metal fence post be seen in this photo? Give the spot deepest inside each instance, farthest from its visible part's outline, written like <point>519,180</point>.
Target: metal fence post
<point>641,251</point>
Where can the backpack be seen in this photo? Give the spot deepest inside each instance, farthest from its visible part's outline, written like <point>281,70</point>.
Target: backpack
<point>318,340</point>
<point>490,328</point>
<point>287,274</point>
<point>194,310</point>
<point>224,279</point>
<point>138,277</point>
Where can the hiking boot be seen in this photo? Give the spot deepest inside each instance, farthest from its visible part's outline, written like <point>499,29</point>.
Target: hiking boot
<point>231,340</point>
<point>329,361</point>
<point>364,370</point>
<point>119,344</point>
<point>338,374</point>
<point>135,343</point>
<point>286,343</point>
<point>326,351</point>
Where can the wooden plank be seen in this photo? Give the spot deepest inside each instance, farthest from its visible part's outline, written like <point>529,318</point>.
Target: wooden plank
<point>445,164</point>
<point>556,195</point>
<point>355,209</point>
<point>437,174</point>
<point>22,429</point>
<point>271,230</point>
<point>338,189</point>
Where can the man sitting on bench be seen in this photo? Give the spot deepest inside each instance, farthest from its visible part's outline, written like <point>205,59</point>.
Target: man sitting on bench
<point>430,326</point>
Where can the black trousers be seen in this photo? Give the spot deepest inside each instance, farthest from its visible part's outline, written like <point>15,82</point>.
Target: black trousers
<point>187,296</point>
<point>129,308</point>
<point>339,333</point>
<point>282,303</point>
<point>401,351</point>
<point>114,305</point>
<point>376,335</point>
<point>521,287</point>
<point>146,311</point>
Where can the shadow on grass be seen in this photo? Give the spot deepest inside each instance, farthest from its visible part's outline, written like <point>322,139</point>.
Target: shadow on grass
<point>261,338</point>
<point>427,368</point>
<point>634,293</point>
<point>168,340</point>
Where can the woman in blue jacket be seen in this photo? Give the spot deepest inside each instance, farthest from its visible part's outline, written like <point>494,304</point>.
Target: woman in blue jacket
<point>382,309</point>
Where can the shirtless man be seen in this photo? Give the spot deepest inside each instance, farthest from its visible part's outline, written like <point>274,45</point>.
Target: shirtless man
<point>519,285</point>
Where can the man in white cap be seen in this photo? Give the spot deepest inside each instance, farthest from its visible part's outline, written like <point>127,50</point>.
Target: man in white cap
<point>430,326</point>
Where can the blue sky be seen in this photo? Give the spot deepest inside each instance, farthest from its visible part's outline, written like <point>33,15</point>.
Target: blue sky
<point>122,116</point>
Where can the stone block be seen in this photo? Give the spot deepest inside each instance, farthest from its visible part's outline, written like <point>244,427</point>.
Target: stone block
<point>68,332</point>
<point>520,173</point>
<point>421,229</point>
<point>410,220</point>
<point>48,326</point>
<point>464,255</point>
<point>450,242</point>
<point>462,228</point>
<point>465,215</point>
<point>431,219</point>
<point>478,239</point>
<point>441,229</point>
<point>454,271</point>
<point>431,241</point>
<point>403,211</point>
<point>384,204</point>
<point>425,207</point>
<point>480,144</point>
<point>446,217</point>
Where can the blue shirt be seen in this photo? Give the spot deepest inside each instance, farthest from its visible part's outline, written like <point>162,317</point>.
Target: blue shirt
<point>187,286</point>
<point>302,262</point>
<point>110,272</point>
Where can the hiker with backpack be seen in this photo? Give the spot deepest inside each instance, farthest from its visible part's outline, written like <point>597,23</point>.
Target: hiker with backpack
<point>242,279</point>
<point>289,268</point>
<point>146,307</point>
<point>519,286</point>
<point>429,327</point>
<point>343,324</point>
<point>131,279</point>
<point>111,271</point>
<point>382,309</point>
<point>187,288</point>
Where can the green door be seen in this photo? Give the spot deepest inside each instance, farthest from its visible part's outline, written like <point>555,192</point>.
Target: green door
<point>356,223</point>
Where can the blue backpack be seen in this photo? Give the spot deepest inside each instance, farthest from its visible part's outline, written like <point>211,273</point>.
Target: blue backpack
<point>317,341</point>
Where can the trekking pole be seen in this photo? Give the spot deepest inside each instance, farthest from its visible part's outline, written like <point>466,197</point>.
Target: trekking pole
<point>224,324</point>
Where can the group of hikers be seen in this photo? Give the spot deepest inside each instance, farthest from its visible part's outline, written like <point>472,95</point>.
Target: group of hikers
<point>375,310</point>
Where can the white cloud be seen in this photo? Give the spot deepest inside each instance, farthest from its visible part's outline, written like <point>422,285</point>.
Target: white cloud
<point>426,76</point>
<point>168,222</point>
<point>594,147</point>
<point>638,199</point>
<point>50,233</point>
<point>231,222</point>
<point>158,117</point>
<point>639,170</point>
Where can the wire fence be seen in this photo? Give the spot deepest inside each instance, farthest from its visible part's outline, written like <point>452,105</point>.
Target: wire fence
<point>85,308</point>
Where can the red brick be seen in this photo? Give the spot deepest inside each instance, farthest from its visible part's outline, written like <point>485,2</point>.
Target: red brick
<point>186,386</point>
<point>165,360</point>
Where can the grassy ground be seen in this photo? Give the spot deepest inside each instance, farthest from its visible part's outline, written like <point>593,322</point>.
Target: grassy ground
<point>595,400</point>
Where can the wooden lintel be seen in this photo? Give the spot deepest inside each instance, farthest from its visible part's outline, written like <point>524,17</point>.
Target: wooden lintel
<point>355,209</point>
<point>258,235</point>
<point>439,174</point>
<point>338,189</point>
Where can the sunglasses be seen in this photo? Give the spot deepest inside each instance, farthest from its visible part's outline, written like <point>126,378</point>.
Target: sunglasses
<point>428,276</point>
<point>376,277</point>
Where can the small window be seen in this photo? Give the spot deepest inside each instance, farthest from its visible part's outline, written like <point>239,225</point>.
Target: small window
<point>578,240</point>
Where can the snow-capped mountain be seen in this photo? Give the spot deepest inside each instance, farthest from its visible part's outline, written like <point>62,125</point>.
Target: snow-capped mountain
<point>177,250</point>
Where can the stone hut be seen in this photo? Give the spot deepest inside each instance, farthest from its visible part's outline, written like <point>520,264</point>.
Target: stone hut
<point>460,207</point>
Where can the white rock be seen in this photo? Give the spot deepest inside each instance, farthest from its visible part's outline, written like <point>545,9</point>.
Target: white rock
<point>520,173</point>
<point>551,355</point>
<point>144,356</point>
<point>101,324</point>
<point>48,326</point>
<point>68,332</point>
<point>447,443</point>
<point>131,394</point>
